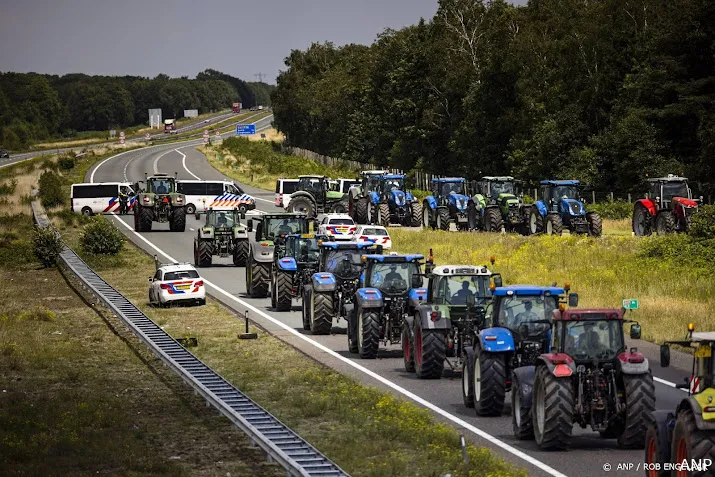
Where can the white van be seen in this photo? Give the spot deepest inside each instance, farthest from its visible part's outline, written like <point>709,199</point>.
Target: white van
<point>200,195</point>
<point>99,198</point>
<point>284,188</point>
<point>344,185</point>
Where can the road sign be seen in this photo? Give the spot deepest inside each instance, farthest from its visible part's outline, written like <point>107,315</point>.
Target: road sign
<point>206,139</point>
<point>630,304</point>
<point>245,129</point>
<point>218,134</point>
<point>148,136</point>
<point>121,134</point>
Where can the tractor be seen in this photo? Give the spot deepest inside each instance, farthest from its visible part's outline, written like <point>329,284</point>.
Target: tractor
<point>449,203</point>
<point>561,206</point>
<point>688,434</point>
<point>359,195</point>
<point>314,196</point>
<point>222,235</point>
<point>667,209</point>
<point>499,207</point>
<point>295,259</point>
<point>269,229</point>
<point>392,204</point>
<point>589,378</point>
<point>446,324</point>
<point>514,332</point>
<point>159,202</point>
<point>330,292</point>
<point>390,289</point>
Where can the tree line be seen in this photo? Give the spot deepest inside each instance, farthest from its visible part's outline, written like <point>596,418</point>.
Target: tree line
<point>607,91</point>
<point>36,107</point>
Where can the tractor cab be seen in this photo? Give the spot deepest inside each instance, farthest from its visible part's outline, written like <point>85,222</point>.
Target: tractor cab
<point>394,275</point>
<point>224,219</point>
<point>344,260</point>
<point>443,187</point>
<point>273,226</point>
<point>315,184</point>
<point>371,181</point>
<point>390,182</point>
<point>553,192</point>
<point>160,184</point>
<point>497,189</point>
<point>665,189</point>
<point>302,247</point>
<point>703,370</point>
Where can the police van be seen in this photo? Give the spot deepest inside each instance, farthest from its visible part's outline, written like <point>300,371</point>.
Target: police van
<point>100,198</point>
<point>200,195</point>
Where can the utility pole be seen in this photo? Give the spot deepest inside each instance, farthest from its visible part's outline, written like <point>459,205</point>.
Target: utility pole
<point>260,76</point>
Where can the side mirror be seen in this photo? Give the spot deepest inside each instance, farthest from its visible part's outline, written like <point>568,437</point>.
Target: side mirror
<point>250,226</point>
<point>355,260</point>
<point>635,332</point>
<point>573,299</point>
<point>242,214</point>
<point>664,356</point>
<point>416,281</point>
<point>498,281</point>
<point>151,279</point>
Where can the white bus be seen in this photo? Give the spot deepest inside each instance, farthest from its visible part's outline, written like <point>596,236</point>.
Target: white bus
<point>99,198</point>
<point>200,195</point>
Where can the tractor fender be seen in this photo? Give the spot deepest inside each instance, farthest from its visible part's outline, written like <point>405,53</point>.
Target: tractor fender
<point>694,406</point>
<point>240,233</point>
<point>374,197</point>
<point>430,202</point>
<point>262,253</point>
<point>146,200</point>
<point>410,197</point>
<point>287,264</point>
<point>177,200</point>
<point>496,340</point>
<point>368,298</point>
<point>552,360</point>
<point>525,376</point>
<point>297,194</point>
<point>417,296</point>
<point>206,233</point>
<point>541,207</point>
<point>439,321</point>
<point>633,363</point>
<point>649,205</point>
<point>323,282</point>
<point>664,422</point>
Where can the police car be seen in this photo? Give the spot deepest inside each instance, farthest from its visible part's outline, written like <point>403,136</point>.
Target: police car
<point>338,226</point>
<point>376,234</point>
<point>176,283</point>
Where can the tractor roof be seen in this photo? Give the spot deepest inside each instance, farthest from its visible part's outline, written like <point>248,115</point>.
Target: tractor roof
<point>281,215</point>
<point>393,176</point>
<point>395,258</point>
<point>374,172</point>
<point>560,183</point>
<point>528,290</point>
<point>348,246</point>
<point>160,174</point>
<point>312,176</point>
<point>449,179</point>
<point>670,178</point>
<point>582,314</point>
<point>498,178</point>
<point>703,336</point>
<point>460,270</point>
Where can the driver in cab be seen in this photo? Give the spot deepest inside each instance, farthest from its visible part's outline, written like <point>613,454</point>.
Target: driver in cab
<point>527,315</point>
<point>284,228</point>
<point>221,220</point>
<point>460,298</point>
<point>161,188</point>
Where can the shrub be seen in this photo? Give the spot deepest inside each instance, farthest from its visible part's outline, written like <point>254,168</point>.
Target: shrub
<point>7,189</point>
<point>51,189</point>
<point>681,248</point>
<point>100,236</point>
<point>66,163</point>
<point>703,224</point>
<point>613,209</point>
<point>47,245</point>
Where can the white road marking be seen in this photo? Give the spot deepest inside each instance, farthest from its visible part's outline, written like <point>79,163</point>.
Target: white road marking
<point>156,161</point>
<point>667,383</point>
<point>183,163</point>
<point>460,422</point>
<point>191,229</point>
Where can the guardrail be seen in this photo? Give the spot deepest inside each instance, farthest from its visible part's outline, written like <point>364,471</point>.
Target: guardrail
<point>280,443</point>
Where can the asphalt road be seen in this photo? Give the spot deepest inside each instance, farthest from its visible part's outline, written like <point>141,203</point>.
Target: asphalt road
<point>588,454</point>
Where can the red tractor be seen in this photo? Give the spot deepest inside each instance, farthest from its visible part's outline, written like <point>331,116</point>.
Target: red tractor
<point>667,209</point>
<point>589,378</point>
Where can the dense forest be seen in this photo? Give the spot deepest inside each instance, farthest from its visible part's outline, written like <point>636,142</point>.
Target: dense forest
<point>35,107</point>
<point>606,91</point>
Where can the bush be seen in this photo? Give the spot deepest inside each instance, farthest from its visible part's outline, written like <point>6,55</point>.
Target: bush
<point>47,245</point>
<point>66,163</point>
<point>703,224</point>
<point>7,189</point>
<point>613,209</point>
<point>100,236</point>
<point>681,248</point>
<point>51,189</point>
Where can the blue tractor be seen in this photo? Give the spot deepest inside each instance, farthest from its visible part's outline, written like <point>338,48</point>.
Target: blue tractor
<point>561,206</point>
<point>295,259</point>
<point>390,289</point>
<point>329,293</point>
<point>449,203</point>
<point>515,331</point>
<point>393,204</point>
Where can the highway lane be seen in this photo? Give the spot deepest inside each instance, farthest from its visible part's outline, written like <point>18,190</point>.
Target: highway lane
<point>588,453</point>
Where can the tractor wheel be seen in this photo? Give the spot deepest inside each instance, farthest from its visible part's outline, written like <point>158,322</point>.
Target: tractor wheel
<point>468,377</point>
<point>408,347</point>
<point>196,253</point>
<point>521,420</point>
<point>321,316</point>
<point>416,210</point>
<point>339,208</point>
<point>536,222</point>
<point>383,215</point>
<point>178,220</point>
<point>690,443</point>
<point>665,223</point>
<point>240,252</point>
<point>553,225</point>
<point>427,216</point>
<point>552,409</point>
<point>656,455</point>
<point>640,403</point>
<point>641,221</point>
<point>493,220</point>
<point>259,274</point>
<point>373,215</point>
<point>284,283</point>
<point>305,309</point>
<point>595,224</point>
<point>205,253</point>
<point>368,331</point>
<point>472,216</point>
<point>430,352</point>
<point>351,318</point>
<point>146,216</point>
<point>302,204</point>
<point>443,219</point>
<point>361,211</point>
<point>274,292</point>
<point>489,383</point>
<point>190,209</point>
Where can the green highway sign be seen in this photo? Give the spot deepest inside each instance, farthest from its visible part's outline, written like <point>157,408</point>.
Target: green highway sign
<point>630,304</point>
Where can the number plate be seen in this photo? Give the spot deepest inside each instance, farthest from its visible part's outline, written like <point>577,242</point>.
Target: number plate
<point>703,351</point>
<point>309,236</point>
<point>183,287</point>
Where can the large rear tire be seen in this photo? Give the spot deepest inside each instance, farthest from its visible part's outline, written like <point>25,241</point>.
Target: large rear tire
<point>368,328</point>
<point>641,221</point>
<point>383,217</point>
<point>146,217</point>
<point>553,225</point>
<point>640,403</point>
<point>408,347</point>
<point>595,224</point>
<point>656,453</point>
<point>427,213</point>
<point>240,252</point>
<point>443,219</point>
<point>468,377</point>
<point>552,410</point>
<point>258,287</point>
<point>305,309</point>
<point>493,220</point>
<point>205,253</point>
<point>178,220</point>
<point>665,223</point>
<point>489,383</point>
<point>430,352</point>
<point>351,316</point>
<point>321,318</point>
<point>361,210</point>
<point>521,421</point>
<point>302,204</point>
<point>416,210</point>
<point>691,444</point>
<point>284,283</point>
<point>536,222</point>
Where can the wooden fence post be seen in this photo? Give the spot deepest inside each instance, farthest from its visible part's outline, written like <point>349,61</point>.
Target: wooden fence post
<point>611,196</point>
<point>593,196</point>
<point>629,197</point>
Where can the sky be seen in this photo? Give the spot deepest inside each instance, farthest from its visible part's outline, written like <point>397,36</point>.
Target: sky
<point>183,37</point>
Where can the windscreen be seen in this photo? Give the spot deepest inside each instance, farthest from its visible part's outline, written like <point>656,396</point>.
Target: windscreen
<point>340,263</point>
<point>391,184</point>
<point>392,278</point>
<point>675,189</point>
<point>454,289</point>
<point>305,249</point>
<point>181,275</point>
<point>516,311</point>
<point>564,192</point>
<point>283,226</point>
<point>161,186</point>
<point>449,187</point>
<point>502,188</point>
<point>222,219</point>
<point>588,340</point>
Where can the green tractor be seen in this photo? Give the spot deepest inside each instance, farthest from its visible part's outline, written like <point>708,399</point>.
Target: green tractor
<point>688,434</point>
<point>499,207</point>
<point>314,195</point>
<point>222,235</point>
<point>159,202</point>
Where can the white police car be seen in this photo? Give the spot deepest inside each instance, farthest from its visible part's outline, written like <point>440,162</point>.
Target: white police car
<point>176,283</point>
<point>338,226</point>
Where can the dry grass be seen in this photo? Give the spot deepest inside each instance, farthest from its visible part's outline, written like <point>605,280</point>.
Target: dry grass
<point>239,170</point>
<point>617,227</point>
<point>271,135</point>
<point>70,143</point>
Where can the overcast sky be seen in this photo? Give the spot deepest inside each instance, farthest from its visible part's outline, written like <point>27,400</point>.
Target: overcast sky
<point>182,37</point>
